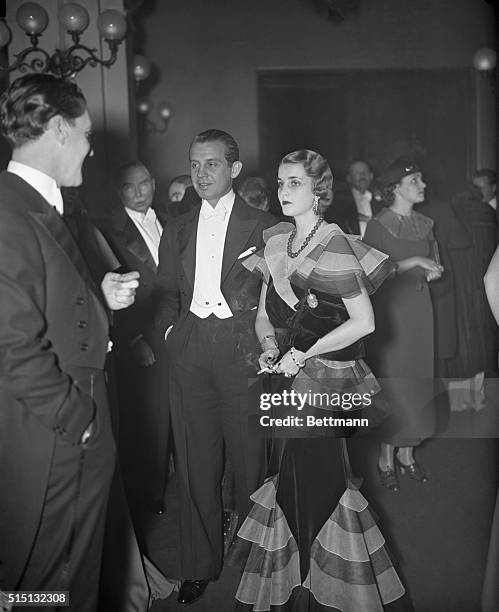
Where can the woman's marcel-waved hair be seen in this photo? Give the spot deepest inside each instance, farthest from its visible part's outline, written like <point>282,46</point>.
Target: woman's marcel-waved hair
<point>32,100</point>
<point>317,168</point>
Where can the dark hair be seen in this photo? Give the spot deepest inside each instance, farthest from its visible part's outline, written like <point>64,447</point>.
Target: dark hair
<point>183,179</point>
<point>317,168</point>
<point>32,100</point>
<point>231,148</point>
<point>254,192</point>
<point>388,194</point>
<point>392,176</point>
<point>487,173</point>
<point>123,170</point>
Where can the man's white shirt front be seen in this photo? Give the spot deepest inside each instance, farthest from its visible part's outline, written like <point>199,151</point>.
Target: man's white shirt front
<point>43,183</point>
<point>207,297</point>
<point>149,227</point>
<point>364,209</point>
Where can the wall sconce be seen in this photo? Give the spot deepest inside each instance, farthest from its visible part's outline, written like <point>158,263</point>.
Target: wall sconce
<point>65,63</point>
<point>485,59</point>
<point>141,70</point>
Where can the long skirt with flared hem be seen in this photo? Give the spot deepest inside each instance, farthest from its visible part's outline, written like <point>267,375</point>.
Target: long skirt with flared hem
<point>295,558</point>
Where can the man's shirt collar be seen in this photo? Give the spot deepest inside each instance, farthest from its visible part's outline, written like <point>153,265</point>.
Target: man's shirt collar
<point>43,183</point>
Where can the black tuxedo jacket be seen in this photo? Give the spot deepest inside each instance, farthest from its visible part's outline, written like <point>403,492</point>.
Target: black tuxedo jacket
<point>177,262</point>
<point>53,336</point>
<point>132,252</point>
<point>343,210</point>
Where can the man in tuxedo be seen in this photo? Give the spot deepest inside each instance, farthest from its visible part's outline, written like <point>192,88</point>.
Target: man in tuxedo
<point>209,308</point>
<point>134,232</point>
<point>56,445</point>
<point>354,204</point>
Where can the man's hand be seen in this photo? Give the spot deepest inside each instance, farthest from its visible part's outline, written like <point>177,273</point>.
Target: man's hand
<point>119,289</point>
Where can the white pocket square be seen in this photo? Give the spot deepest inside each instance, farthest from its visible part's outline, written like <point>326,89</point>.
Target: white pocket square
<point>247,252</point>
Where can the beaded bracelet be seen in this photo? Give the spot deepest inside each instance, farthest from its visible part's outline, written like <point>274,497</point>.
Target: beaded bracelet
<point>300,364</point>
<point>269,337</point>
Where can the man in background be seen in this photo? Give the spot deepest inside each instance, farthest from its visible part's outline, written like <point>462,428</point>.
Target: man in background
<point>486,181</point>
<point>134,233</point>
<point>354,204</point>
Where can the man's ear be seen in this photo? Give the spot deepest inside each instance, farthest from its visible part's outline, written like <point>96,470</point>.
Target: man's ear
<point>236,168</point>
<point>153,184</point>
<point>59,127</point>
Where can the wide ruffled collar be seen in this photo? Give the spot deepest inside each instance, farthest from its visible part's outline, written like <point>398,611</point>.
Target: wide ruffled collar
<point>406,227</point>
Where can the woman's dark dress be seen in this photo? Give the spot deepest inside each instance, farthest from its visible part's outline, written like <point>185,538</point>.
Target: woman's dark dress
<point>310,541</point>
<point>401,351</point>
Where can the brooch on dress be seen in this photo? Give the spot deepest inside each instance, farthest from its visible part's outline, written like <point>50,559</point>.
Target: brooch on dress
<point>312,300</point>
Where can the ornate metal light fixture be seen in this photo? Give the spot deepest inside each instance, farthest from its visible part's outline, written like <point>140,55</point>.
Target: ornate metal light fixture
<point>141,70</point>
<point>33,19</point>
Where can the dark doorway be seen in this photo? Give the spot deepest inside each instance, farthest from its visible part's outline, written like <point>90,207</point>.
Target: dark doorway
<point>377,115</point>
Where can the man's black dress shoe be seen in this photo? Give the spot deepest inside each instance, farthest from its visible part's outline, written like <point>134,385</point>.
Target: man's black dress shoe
<point>191,590</point>
<point>158,507</point>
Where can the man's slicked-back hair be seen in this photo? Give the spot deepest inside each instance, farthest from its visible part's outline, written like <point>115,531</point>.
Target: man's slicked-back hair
<point>32,100</point>
<point>317,168</point>
<point>231,148</point>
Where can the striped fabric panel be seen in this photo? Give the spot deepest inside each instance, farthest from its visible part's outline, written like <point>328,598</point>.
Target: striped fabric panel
<point>338,594</point>
<point>319,377</point>
<point>256,263</point>
<point>264,562</point>
<point>341,265</point>
<point>353,500</point>
<point>348,545</point>
<point>272,536</point>
<point>267,552</point>
<point>361,571</point>
<point>263,593</point>
<point>358,523</point>
<point>266,494</point>
<point>261,515</point>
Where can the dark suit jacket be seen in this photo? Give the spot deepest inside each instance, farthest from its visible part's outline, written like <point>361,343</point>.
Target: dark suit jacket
<point>343,210</point>
<point>133,254</point>
<point>177,262</point>
<point>53,333</point>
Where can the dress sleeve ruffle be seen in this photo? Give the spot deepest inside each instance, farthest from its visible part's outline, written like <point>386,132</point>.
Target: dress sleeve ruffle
<point>256,263</point>
<point>342,265</point>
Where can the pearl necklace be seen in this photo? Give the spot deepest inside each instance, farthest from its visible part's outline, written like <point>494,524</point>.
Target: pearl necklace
<point>305,242</point>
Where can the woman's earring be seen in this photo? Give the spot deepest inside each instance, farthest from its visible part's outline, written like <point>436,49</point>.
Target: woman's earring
<point>315,207</point>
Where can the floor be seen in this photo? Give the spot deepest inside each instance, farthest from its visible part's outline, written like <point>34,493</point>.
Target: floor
<point>437,532</point>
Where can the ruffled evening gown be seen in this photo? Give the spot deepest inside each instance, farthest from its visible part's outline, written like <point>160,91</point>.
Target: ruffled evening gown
<point>310,542</point>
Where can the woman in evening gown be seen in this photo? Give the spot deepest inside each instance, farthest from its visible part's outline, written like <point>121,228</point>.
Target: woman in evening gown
<point>401,351</point>
<point>310,541</point>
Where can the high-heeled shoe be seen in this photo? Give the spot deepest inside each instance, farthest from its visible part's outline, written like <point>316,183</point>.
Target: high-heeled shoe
<point>388,479</point>
<point>413,470</point>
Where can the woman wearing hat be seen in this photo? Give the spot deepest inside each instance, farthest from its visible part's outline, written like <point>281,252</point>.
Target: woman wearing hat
<point>401,350</point>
